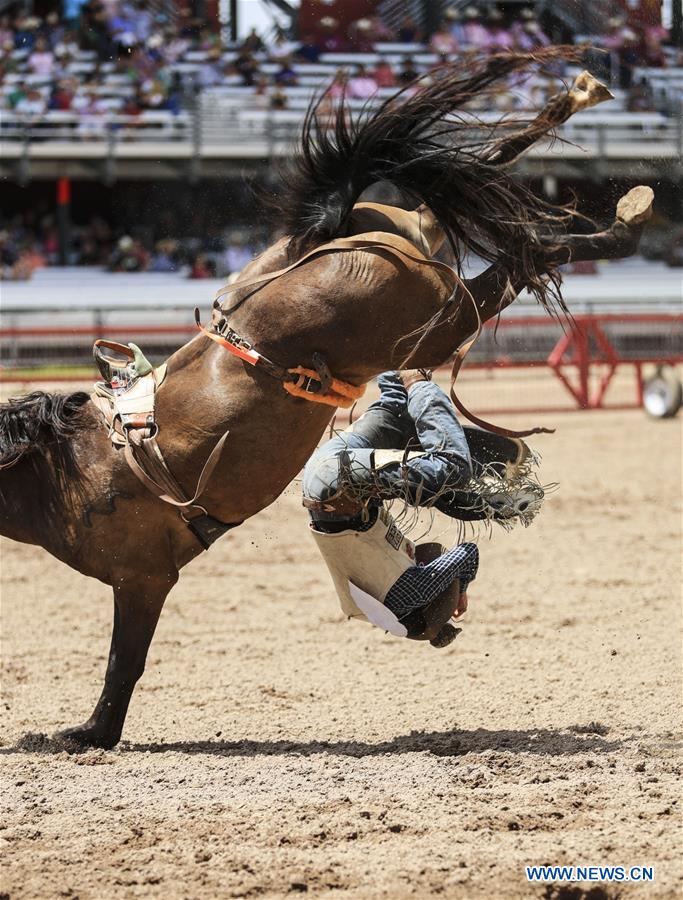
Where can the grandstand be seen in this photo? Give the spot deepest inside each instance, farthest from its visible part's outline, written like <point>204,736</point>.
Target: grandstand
<point>131,93</point>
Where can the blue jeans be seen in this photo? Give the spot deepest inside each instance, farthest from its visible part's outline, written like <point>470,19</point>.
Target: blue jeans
<point>422,418</point>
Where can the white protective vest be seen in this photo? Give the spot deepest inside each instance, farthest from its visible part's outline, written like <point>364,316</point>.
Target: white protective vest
<point>364,565</point>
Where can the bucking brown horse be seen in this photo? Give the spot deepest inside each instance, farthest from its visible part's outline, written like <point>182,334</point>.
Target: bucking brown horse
<point>361,308</point>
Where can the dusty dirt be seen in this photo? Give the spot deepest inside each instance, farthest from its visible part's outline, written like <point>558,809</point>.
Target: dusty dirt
<point>272,748</point>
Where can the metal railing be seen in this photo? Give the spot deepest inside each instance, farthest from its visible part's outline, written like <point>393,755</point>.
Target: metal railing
<point>227,129</point>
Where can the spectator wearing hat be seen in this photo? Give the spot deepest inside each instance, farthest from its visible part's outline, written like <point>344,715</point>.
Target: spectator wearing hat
<point>455,24</point>
<point>500,38</point>
<point>361,37</point>
<point>331,40</point>
<point>476,34</point>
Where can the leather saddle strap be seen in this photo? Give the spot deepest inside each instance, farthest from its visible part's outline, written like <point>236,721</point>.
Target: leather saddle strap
<point>346,244</point>
<point>170,491</point>
<point>360,244</point>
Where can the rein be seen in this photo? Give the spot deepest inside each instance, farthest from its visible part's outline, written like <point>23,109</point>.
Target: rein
<point>313,385</point>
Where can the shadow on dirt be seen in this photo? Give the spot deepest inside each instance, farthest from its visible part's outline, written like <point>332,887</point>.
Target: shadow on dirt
<point>542,742</point>
<point>440,743</point>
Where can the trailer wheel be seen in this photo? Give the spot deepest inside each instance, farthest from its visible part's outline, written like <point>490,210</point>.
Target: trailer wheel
<point>663,393</point>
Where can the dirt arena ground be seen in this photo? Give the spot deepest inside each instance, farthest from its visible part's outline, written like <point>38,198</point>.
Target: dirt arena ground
<point>273,749</point>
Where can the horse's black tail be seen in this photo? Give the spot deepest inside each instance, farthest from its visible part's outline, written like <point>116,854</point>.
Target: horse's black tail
<point>426,147</point>
<point>39,422</point>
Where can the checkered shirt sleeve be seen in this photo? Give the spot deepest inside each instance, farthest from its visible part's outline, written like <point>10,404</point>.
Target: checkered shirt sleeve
<point>419,585</point>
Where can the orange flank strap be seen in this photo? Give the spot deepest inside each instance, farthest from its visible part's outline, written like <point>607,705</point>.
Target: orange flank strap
<point>340,393</point>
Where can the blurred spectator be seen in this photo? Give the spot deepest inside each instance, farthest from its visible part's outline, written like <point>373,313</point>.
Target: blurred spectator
<point>202,267</point>
<point>408,72</point>
<point>128,256</point>
<point>236,256</point>
<point>455,24</point>
<point>253,42</point>
<point>164,258</point>
<point>278,99</point>
<point>208,40</point>
<point>41,61</point>
<point>90,108</point>
<point>17,94</point>
<point>66,45</point>
<point>330,41</point>
<point>442,41</point>
<point>528,35</point>
<point>25,29</point>
<point>339,85</point>
<point>211,70</point>
<point>6,32</point>
<point>408,31</point>
<point>9,253</point>
<point>652,52</point>
<point>32,104</point>
<point>362,85</point>
<point>286,75</point>
<point>499,37</point>
<point>384,74</point>
<point>62,94</point>
<point>309,51</point>
<point>246,66</point>
<point>476,34</point>
<point>174,46</point>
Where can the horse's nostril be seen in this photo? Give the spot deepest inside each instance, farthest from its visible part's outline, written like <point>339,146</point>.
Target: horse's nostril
<point>523,506</point>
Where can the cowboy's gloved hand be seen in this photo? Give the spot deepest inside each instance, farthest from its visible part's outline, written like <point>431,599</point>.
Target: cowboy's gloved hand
<point>409,377</point>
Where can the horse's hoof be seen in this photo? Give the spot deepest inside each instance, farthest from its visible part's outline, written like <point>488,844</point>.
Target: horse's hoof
<point>635,207</point>
<point>83,736</point>
<point>587,91</point>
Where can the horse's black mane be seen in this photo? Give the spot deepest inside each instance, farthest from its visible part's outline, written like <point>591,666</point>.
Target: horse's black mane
<point>40,423</point>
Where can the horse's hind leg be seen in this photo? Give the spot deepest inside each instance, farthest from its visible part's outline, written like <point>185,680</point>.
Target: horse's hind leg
<point>620,240</point>
<point>137,608</point>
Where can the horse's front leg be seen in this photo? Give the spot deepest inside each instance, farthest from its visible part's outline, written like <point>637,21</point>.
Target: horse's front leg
<point>137,608</point>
